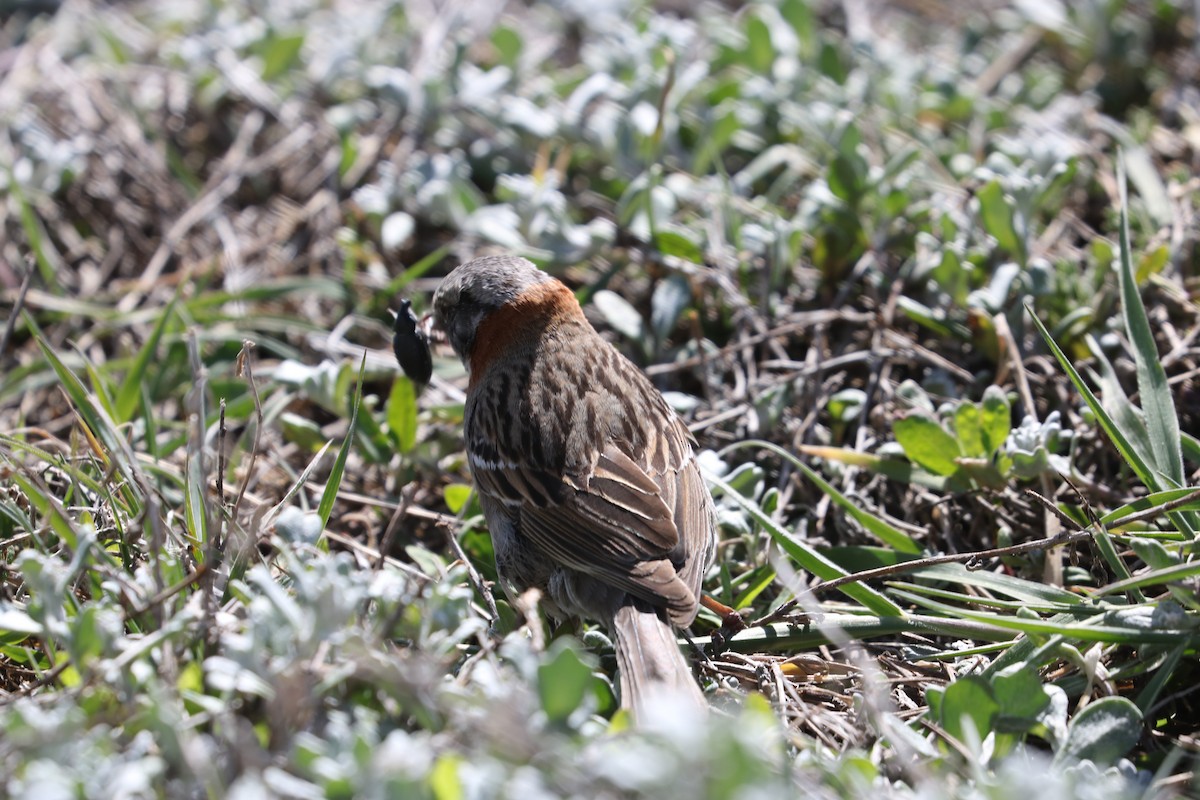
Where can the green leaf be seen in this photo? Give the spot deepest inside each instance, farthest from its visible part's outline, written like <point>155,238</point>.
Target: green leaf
<point>301,430</point>
<point>760,53</point>
<point>998,218</point>
<point>829,61</point>
<point>86,641</point>
<point>563,680</point>
<point>281,54</point>
<point>15,621</point>
<point>982,472</point>
<point>677,242</point>
<point>1153,553</point>
<point>803,22</point>
<point>927,443</point>
<point>444,780</point>
<point>456,496</point>
<point>620,314</point>
<point>1019,691</point>
<point>968,429</point>
<point>756,583</point>
<point>997,419</point>
<point>195,508</point>
<point>747,479</point>
<point>1131,631</point>
<point>508,44</point>
<point>426,560</point>
<point>770,500</point>
<point>1152,263</point>
<point>931,320</point>
<point>967,702</point>
<point>48,508</point>
<point>670,298</point>
<point>856,558</point>
<point>1147,179</point>
<point>349,153</point>
<point>373,443</point>
<point>402,414</point>
<point>1102,732</point>
<point>846,405</point>
<point>847,176</point>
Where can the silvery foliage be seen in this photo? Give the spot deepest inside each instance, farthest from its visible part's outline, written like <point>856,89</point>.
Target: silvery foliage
<point>1034,447</point>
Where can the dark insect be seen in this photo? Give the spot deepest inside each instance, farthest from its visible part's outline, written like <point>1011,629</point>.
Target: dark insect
<point>411,345</point>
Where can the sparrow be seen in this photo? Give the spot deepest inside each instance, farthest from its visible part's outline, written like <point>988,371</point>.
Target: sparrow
<point>587,478</point>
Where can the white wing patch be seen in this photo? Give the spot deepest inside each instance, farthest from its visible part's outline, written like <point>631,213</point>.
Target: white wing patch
<point>483,463</point>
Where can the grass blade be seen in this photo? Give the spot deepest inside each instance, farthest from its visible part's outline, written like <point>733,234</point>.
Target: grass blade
<point>329,495</point>
<point>1110,428</point>
<point>789,636</point>
<point>130,392</point>
<point>1156,500</point>
<point>887,533</point>
<point>1155,577</point>
<point>34,234</point>
<point>1096,629</point>
<point>1157,402</point>
<point>808,558</point>
<point>107,443</point>
<point>1191,447</point>
<point>896,469</point>
<point>1010,585</point>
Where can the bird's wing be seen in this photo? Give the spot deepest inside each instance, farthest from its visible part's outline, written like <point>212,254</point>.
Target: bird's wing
<point>615,523</point>
<point>696,520</point>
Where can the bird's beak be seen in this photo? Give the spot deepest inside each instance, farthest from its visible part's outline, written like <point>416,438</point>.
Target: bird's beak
<point>432,331</point>
<point>433,334</point>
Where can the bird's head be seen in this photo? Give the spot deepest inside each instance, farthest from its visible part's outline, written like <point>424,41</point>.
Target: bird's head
<point>477,289</point>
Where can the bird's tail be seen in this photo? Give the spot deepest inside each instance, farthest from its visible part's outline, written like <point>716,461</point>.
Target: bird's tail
<point>649,658</point>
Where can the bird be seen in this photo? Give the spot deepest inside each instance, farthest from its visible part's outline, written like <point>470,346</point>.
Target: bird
<point>587,478</point>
